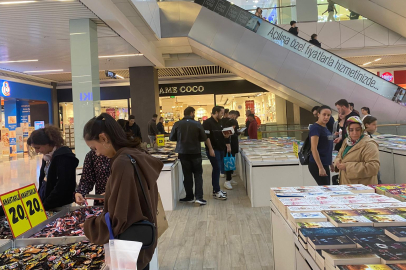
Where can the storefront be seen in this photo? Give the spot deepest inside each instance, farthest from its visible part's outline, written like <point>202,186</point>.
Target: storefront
<point>23,108</point>
<point>238,95</point>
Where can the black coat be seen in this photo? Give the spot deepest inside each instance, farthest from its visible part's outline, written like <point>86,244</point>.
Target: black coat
<point>315,42</point>
<point>188,133</point>
<point>61,180</point>
<point>134,129</point>
<point>161,128</point>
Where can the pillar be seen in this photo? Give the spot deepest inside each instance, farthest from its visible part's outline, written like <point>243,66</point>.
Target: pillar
<point>85,79</point>
<point>144,95</point>
<point>55,106</point>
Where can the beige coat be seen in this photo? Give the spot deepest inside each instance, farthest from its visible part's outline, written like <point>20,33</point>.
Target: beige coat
<point>362,163</point>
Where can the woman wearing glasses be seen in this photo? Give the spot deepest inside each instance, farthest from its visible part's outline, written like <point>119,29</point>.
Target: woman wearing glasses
<point>358,159</point>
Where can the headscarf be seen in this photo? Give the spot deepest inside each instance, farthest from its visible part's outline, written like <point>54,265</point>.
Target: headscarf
<point>351,120</point>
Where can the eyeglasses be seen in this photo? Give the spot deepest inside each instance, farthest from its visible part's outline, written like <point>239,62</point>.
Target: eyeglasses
<point>356,129</point>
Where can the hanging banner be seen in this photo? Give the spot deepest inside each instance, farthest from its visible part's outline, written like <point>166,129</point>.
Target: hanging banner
<point>250,105</point>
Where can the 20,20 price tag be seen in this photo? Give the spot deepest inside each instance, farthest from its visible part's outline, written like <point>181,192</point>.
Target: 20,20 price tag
<point>160,140</point>
<point>15,213</point>
<point>33,205</point>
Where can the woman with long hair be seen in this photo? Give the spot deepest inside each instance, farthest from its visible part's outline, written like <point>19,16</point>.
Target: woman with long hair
<point>124,199</point>
<point>57,179</point>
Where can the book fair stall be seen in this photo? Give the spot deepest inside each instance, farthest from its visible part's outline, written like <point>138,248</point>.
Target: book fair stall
<point>339,227</point>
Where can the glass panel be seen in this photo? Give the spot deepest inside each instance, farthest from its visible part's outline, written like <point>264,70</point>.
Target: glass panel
<point>342,14</point>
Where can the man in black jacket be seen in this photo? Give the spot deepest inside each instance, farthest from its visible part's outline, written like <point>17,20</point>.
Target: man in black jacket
<point>189,134</point>
<point>133,127</point>
<point>152,129</point>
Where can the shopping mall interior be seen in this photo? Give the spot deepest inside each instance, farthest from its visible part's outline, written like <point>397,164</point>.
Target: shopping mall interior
<point>63,62</point>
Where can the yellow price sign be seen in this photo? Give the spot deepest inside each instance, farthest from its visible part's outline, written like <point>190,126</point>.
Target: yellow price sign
<point>296,149</point>
<point>259,135</point>
<point>33,205</point>
<point>15,213</point>
<point>160,140</point>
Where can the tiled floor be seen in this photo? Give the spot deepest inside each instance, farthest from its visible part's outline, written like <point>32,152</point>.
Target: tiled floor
<point>221,235</point>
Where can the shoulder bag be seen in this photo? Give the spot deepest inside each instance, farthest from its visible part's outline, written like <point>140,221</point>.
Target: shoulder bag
<point>142,231</point>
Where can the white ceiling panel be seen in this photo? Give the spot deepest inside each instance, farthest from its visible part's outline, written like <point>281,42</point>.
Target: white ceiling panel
<point>40,30</point>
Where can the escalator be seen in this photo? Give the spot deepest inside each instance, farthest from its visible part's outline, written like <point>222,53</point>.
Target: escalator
<point>294,69</point>
<point>390,14</point>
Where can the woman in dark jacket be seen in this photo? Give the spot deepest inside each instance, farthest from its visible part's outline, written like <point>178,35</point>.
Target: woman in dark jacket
<point>57,180</point>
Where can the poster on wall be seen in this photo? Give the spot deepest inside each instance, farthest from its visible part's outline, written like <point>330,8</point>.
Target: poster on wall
<point>111,112</point>
<point>13,141</point>
<point>250,105</point>
<point>19,140</point>
<point>25,113</point>
<point>5,141</point>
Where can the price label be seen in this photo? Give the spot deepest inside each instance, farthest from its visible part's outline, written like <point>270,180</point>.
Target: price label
<point>259,135</point>
<point>14,209</point>
<point>32,205</point>
<point>296,149</point>
<point>160,140</point>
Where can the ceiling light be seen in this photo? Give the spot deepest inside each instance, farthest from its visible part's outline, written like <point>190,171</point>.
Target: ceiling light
<point>255,6</point>
<point>80,33</point>
<point>40,71</point>
<point>18,61</point>
<point>121,77</point>
<point>16,2</point>
<point>120,55</point>
<point>377,59</point>
<point>367,63</point>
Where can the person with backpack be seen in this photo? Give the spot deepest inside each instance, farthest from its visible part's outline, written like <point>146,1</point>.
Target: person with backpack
<point>321,141</point>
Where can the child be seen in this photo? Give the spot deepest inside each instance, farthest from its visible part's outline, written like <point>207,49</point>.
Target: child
<point>370,124</point>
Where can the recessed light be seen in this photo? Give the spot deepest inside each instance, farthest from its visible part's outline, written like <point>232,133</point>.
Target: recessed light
<point>18,61</point>
<point>377,59</point>
<point>41,71</point>
<point>255,6</point>
<point>16,2</point>
<point>120,55</point>
<point>367,63</point>
<point>121,77</point>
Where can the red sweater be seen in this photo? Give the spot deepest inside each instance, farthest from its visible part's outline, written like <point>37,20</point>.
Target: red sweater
<point>253,130</point>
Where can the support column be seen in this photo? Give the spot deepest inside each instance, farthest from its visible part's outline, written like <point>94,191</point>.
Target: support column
<point>144,95</point>
<point>85,79</point>
<point>55,106</point>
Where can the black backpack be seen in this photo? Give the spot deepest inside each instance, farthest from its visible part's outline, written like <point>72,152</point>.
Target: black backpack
<point>305,152</point>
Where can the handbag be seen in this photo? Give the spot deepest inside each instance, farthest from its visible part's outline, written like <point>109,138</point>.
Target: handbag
<point>142,231</point>
<point>229,163</point>
<point>305,152</point>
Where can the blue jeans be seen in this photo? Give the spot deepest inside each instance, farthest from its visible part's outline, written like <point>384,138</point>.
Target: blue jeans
<point>152,139</point>
<point>216,164</point>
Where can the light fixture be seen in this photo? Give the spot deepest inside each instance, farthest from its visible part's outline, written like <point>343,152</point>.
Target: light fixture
<point>41,71</point>
<point>121,77</point>
<point>367,63</point>
<point>18,61</point>
<point>16,2</point>
<point>254,6</point>
<point>80,33</point>
<point>120,55</point>
<point>377,59</point>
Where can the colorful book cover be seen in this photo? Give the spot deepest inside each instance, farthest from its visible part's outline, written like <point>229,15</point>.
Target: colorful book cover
<point>335,207</point>
<point>319,241</point>
<point>384,200</point>
<point>366,206</point>
<point>340,193</point>
<point>308,215</point>
<point>386,218</point>
<point>392,254</point>
<point>399,210</point>
<point>372,241</point>
<point>350,219</point>
<point>365,267</point>
<point>333,188</point>
<point>312,225</point>
<point>328,231</point>
<point>397,231</point>
<point>348,254</point>
<point>342,213</point>
<point>382,211</point>
<point>304,208</point>
<point>288,195</point>
<point>394,205</point>
<point>318,197</point>
<point>363,230</point>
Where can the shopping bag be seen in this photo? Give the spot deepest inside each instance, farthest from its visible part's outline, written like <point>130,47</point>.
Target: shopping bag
<point>161,221</point>
<point>121,254</point>
<point>229,163</point>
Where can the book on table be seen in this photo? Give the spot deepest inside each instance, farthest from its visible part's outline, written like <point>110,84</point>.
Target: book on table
<point>396,233</point>
<point>319,259</point>
<point>307,217</point>
<point>350,231</point>
<point>313,225</point>
<point>304,208</point>
<point>305,233</point>
<point>336,257</point>
<point>349,221</point>
<point>331,242</point>
<point>372,241</point>
<point>376,211</point>
<point>332,213</point>
<point>387,220</point>
<point>393,254</point>
<point>365,267</point>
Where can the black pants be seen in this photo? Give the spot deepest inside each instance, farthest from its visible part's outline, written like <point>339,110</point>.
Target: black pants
<point>146,267</point>
<point>190,167</point>
<point>314,171</point>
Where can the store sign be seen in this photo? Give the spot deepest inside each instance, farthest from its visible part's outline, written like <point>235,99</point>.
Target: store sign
<point>5,89</point>
<point>86,96</point>
<point>387,76</point>
<point>301,47</point>
<point>23,209</point>
<point>182,89</point>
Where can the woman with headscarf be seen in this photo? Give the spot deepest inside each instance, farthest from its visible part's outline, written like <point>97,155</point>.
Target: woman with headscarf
<point>358,158</point>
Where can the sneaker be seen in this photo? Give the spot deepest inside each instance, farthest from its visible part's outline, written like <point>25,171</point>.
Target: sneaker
<point>201,201</point>
<point>234,183</point>
<point>220,196</point>
<point>187,200</point>
<point>227,185</point>
<point>222,175</point>
<point>225,193</point>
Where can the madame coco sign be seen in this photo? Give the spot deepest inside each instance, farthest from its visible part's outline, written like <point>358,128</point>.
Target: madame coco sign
<point>181,89</point>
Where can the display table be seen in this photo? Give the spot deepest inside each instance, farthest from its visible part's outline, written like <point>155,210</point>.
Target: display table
<point>288,253</point>
<point>170,184</point>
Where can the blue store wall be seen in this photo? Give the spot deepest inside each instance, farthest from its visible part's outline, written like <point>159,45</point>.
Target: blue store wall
<point>29,92</point>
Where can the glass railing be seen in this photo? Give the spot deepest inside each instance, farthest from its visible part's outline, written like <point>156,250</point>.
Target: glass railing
<point>285,14</point>
<point>302,47</point>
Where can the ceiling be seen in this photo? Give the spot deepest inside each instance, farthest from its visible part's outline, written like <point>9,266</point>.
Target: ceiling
<point>397,60</point>
<point>43,34</point>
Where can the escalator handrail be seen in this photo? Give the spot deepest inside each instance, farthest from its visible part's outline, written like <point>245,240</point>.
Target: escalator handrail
<point>201,2</point>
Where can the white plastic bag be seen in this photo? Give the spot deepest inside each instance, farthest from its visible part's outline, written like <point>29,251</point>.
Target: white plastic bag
<point>121,254</point>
